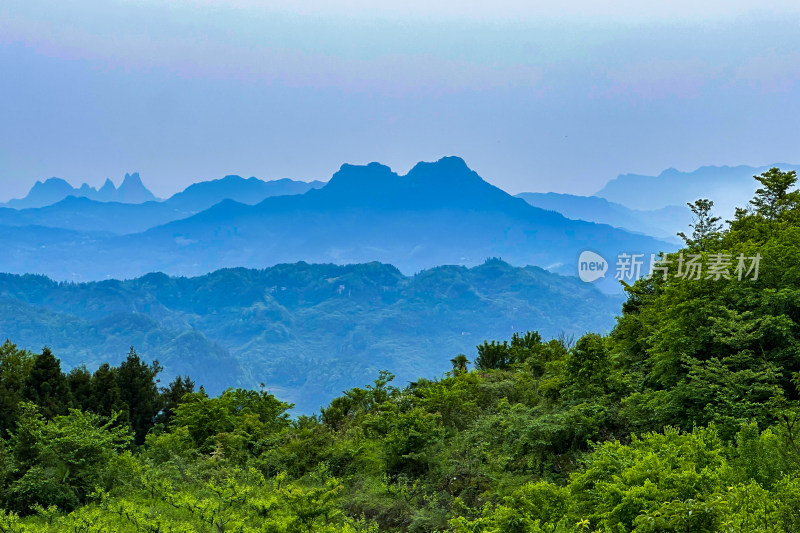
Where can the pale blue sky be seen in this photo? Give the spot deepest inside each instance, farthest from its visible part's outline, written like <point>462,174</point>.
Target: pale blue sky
<point>557,97</point>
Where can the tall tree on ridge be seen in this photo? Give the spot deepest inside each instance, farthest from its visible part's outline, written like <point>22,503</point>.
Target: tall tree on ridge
<point>139,387</point>
<point>46,385</point>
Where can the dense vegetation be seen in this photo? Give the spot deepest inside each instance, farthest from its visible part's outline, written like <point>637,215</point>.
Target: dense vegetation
<point>684,418</point>
<point>306,331</point>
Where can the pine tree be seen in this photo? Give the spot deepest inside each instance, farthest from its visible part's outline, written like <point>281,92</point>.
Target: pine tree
<point>139,387</point>
<point>106,397</point>
<point>46,385</point>
<point>171,396</point>
<point>79,381</point>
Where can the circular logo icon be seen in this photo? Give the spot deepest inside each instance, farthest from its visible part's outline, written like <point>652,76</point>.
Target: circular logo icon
<point>591,266</point>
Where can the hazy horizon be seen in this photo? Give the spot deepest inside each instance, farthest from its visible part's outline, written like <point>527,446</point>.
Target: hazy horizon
<point>534,98</point>
<point>117,182</point>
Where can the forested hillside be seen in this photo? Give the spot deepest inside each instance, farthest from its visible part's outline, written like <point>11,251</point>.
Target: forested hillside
<point>684,418</point>
<point>307,331</point>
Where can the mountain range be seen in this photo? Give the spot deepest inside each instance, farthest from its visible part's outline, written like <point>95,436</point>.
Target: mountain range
<point>52,190</point>
<point>728,187</point>
<point>662,223</point>
<point>306,331</point>
<point>83,214</point>
<point>359,284</point>
<point>439,213</point>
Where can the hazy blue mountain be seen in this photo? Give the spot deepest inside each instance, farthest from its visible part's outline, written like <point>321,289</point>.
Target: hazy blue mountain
<point>729,187</point>
<point>84,214</point>
<point>53,190</point>
<point>662,223</point>
<point>131,191</point>
<point>45,192</point>
<point>306,331</point>
<point>439,213</point>
<point>250,191</point>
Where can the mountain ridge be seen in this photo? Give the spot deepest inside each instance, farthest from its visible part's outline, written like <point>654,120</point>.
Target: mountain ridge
<point>81,213</point>
<point>662,223</point>
<point>132,190</point>
<point>308,329</point>
<point>728,186</point>
<point>54,190</point>
<point>438,213</point>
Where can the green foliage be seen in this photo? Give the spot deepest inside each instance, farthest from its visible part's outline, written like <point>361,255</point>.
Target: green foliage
<point>685,418</point>
<point>774,197</point>
<point>46,386</point>
<point>171,397</point>
<point>705,228</point>
<point>79,382</point>
<point>60,461</point>
<point>15,365</point>
<point>460,363</point>
<point>238,419</point>
<point>138,389</point>
<point>308,330</point>
<point>588,368</point>
<point>493,355</point>
<point>105,397</point>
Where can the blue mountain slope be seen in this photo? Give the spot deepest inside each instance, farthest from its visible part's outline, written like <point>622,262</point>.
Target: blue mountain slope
<point>439,213</point>
<point>729,187</point>
<point>85,214</point>
<point>662,223</point>
<point>54,190</point>
<point>203,195</point>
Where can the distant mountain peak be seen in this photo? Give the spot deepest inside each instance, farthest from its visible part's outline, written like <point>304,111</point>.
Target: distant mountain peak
<point>52,183</point>
<point>133,191</point>
<point>452,163</point>
<point>445,184</point>
<point>450,172</point>
<point>360,178</point>
<point>44,192</point>
<point>374,166</point>
<point>250,191</point>
<point>728,186</point>
<point>53,190</point>
<point>132,180</point>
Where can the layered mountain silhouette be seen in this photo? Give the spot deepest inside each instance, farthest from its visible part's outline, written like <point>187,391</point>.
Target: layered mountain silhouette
<point>663,223</point>
<point>85,214</point>
<point>306,331</point>
<point>194,198</point>
<point>53,190</point>
<point>728,187</point>
<point>439,213</point>
<point>247,191</point>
